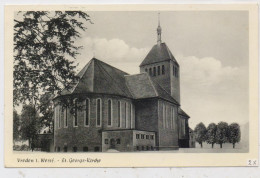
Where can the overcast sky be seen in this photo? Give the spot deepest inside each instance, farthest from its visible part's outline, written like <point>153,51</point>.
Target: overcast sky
<point>211,48</point>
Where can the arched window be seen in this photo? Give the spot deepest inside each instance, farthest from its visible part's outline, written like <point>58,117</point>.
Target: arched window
<point>150,71</point>
<point>109,112</point>
<point>75,122</point>
<point>99,112</point>
<point>163,70</point>
<point>130,115</point>
<point>119,113</point>
<point>87,112</point>
<point>65,114</point>
<point>154,71</point>
<point>159,70</point>
<point>125,114</point>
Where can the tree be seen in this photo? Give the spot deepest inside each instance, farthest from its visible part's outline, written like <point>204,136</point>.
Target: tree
<point>200,133</point>
<point>16,125</point>
<point>44,52</point>
<point>211,134</point>
<point>234,133</point>
<point>47,111</point>
<point>29,123</point>
<point>222,133</point>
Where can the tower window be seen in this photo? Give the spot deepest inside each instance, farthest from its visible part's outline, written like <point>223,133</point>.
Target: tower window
<point>163,70</point>
<point>159,70</point>
<point>154,71</point>
<point>150,71</point>
<point>99,111</point>
<point>109,112</point>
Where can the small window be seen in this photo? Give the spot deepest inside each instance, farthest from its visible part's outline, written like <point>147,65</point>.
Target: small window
<point>146,70</point>
<point>159,70</point>
<point>163,70</point>
<point>142,136</point>
<point>147,136</point>
<point>85,149</point>
<point>58,149</point>
<point>150,71</point>
<point>151,137</point>
<point>154,71</point>
<point>137,148</point>
<point>137,136</point>
<point>75,149</point>
<point>142,147</point>
<point>118,141</point>
<point>96,149</point>
<point>106,141</point>
<point>65,149</point>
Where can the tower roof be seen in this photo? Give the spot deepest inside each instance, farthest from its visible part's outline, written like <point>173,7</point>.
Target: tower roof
<point>159,53</point>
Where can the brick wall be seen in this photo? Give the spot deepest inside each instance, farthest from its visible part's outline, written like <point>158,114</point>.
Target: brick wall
<point>167,133</point>
<point>91,136</point>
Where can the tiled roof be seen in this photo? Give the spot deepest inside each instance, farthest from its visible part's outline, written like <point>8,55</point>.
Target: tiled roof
<point>99,77</point>
<point>143,86</point>
<point>181,112</point>
<point>158,53</point>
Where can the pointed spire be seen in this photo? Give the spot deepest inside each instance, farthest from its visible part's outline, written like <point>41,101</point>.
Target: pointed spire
<point>159,31</point>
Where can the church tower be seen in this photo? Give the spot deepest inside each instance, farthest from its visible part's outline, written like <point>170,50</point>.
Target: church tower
<point>162,66</point>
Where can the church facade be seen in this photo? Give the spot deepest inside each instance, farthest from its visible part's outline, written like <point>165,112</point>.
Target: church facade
<point>115,110</point>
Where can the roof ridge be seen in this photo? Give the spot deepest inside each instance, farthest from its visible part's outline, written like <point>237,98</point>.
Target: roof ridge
<point>152,84</point>
<point>166,91</point>
<point>117,86</point>
<point>109,65</point>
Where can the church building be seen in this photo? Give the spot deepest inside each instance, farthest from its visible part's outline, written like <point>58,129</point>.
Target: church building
<point>115,110</point>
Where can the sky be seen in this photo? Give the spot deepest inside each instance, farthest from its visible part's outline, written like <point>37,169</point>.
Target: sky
<point>210,46</point>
